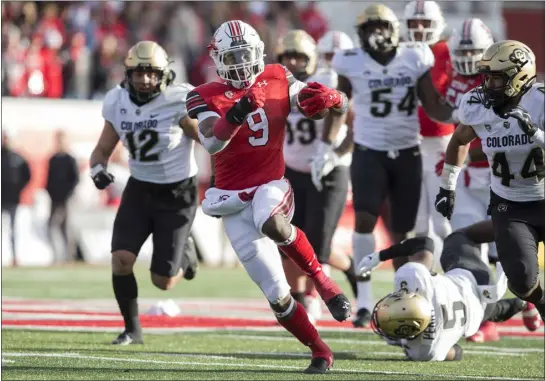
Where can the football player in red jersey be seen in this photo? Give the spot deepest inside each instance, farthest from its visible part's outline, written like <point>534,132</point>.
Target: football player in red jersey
<point>425,23</point>
<point>242,123</point>
<point>473,193</point>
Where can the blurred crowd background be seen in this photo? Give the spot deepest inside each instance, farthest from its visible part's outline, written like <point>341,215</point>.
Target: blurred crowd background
<point>74,50</point>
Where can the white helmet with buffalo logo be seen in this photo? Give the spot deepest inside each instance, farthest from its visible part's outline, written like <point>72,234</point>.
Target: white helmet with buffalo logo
<point>237,51</point>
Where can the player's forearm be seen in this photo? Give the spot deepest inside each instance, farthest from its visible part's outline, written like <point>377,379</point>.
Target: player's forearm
<point>99,156</point>
<point>215,134</point>
<point>407,248</point>
<point>454,159</point>
<point>332,125</point>
<point>442,112</point>
<point>347,145</point>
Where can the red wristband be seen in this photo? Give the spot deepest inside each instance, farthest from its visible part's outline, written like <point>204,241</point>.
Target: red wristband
<point>224,131</point>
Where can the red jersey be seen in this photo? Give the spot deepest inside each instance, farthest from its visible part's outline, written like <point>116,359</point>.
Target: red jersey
<point>460,85</point>
<point>255,154</point>
<point>441,75</point>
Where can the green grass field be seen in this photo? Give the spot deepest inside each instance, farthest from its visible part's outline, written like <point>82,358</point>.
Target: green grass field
<point>236,354</point>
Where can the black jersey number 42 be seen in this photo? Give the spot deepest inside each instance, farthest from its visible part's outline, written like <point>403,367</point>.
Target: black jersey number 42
<point>382,106</point>
<point>533,166</point>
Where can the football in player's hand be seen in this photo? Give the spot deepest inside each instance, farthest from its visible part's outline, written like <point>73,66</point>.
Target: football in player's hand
<point>320,115</point>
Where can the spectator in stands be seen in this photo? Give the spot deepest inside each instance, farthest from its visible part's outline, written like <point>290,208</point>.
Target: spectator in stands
<point>62,178</point>
<point>93,33</point>
<point>15,176</point>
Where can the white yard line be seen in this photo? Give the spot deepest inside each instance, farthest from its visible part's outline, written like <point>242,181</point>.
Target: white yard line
<point>479,349</point>
<point>230,363</point>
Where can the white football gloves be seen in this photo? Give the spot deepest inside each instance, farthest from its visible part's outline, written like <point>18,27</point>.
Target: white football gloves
<point>368,264</point>
<point>322,163</point>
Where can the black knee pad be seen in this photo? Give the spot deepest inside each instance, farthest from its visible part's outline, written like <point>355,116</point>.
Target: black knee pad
<point>524,282</point>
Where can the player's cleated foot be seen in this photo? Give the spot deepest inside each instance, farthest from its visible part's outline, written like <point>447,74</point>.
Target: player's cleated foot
<point>362,319</point>
<point>530,317</point>
<point>487,333</point>
<point>319,365</point>
<point>190,255</point>
<point>338,304</point>
<point>127,338</point>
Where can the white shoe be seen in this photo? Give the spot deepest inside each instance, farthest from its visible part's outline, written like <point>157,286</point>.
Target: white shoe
<point>164,308</point>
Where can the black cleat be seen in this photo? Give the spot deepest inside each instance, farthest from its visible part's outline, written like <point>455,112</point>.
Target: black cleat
<point>363,319</point>
<point>190,257</point>
<point>127,338</point>
<point>318,365</point>
<point>339,306</point>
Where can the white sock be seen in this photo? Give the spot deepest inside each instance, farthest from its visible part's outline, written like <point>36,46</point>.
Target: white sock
<point>365,296</point>
<point>362,245</point>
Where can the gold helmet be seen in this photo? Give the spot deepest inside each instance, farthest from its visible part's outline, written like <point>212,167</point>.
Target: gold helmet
<point>511,61</point>
<point>148,55</point>
<point>299,42</point>
<point>401,315</point>
<point>378,42</point>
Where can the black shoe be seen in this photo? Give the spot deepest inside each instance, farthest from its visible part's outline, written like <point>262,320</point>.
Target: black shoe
<point>340,308</point>
<point>352,278</point>
<point>363,319</point>
<point>190,257</point>
<point>318,365</point>
<point>127,338</point>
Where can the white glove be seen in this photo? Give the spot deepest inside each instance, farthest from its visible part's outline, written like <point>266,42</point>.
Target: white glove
<point>322,163</point>
<point>368,264</point>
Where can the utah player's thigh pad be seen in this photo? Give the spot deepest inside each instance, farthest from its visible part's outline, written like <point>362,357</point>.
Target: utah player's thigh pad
<point>173,216</point>
<point>460,252</point>
<point>369,178</point>
<point>258,254</point>
<point>275,197</point>
<point>132,224</point>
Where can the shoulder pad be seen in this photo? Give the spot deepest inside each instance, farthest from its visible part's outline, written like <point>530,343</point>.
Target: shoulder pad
<point>112,95</point>
<point>469,106</point>
<point>110,102</point>
<point>177,92</point>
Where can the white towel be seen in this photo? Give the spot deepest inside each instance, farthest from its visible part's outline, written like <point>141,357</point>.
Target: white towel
<point>219,202</point>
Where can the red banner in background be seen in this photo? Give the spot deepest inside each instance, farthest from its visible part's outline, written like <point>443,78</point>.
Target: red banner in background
<point>528,25</point>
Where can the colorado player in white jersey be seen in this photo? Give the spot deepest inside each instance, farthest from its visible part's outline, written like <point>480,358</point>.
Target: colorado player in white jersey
<point>148,114</point>
<point>428,313</point>
<point>385,78</point>
<point>467,46</point>
<point>507,114</point>
<point>319,205</point>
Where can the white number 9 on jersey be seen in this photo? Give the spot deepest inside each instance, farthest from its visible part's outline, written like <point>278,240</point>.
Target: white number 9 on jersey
<point>259,124</point>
